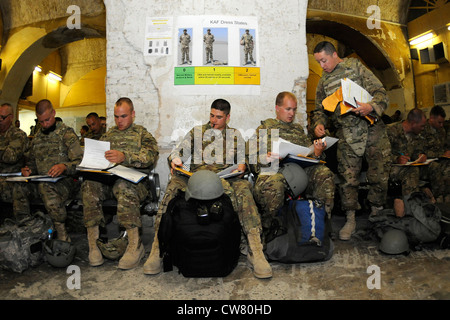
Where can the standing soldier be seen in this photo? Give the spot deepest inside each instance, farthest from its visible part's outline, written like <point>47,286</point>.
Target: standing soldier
<point>208,39</point>
<point>13,144</point>
<point>55,151</point>
<point>185,40</point>
<point>270,189</point>
<point>247,42</point>
<point>229,149</point>
<point>131,146</point>
<point>357,138</point>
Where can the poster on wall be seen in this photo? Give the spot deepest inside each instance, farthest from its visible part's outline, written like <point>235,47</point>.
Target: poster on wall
<point>216,55</point>
<point>158,36</point>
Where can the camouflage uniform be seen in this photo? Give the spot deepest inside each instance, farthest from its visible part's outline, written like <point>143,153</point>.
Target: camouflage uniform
<point>405,144</point>
<point>92,135</point>
<point>247,40</point>
<point>185,39</point>
<point>437,172</point>
<point>270,189</point>
<point>215,155</point>
<point>357,139</point>
<point>208,39</point>
<point>13,144</point>
<point>46,150</point>
<point>141,151</point>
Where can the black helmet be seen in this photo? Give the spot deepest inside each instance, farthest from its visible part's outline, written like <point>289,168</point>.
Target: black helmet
<point>394,241</point>
<point>204,185</point>
<point>296,178</point>
<point>59,253</point>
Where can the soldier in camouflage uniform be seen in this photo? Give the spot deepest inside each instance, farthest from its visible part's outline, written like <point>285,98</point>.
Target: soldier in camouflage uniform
<point>55,151</point>
<point>271,186</point>
<point>208,39</point>
<point>131,146</point>
<point>185,40</point>
<point>221,147</point>
<point>437,147</point>
<point>357,138</point>
<point>247,42</point>
<point>407,145</point>
<point>96,130</point>
<point>13,144</point>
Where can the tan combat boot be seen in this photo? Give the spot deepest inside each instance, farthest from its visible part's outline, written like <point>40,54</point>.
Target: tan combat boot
<point>349,228</point>
<point>153,263</point>
<point>95,255</point>
<point>255,257</point>
<point>134,252</point>
<point>61,232</point>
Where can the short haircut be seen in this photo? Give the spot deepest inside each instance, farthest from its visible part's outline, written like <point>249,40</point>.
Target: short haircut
<point>93,115</point>
<point>222,105</point>
<point>437,111</point>
<point>126,100</point>
<point>85,127</point>
<point>280,97</point>
<point>326,46</point>
<point>415,115</point>
<point>43,105</point>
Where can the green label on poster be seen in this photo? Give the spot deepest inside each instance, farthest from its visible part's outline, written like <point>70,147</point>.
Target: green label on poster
<point>184,75</point>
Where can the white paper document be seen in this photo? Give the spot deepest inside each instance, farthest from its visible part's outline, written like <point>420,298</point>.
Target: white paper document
<point>351,91</point>
<point>285,147</point>
<point>229,172</point>
<point>330,141</point>
<point>94,154</point>
<point>129,174</point>
<point>35,178</point>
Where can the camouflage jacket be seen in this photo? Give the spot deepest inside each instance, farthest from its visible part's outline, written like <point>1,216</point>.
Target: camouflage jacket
<point>59,146</point>
<point>247,40</point>
<point>185,39</point>
<point>436,141</point>
<point>208,39</point>
<point>211,149</point>
<point>404,144</point>
<point>138,145</point>
<point>13,145</point>
<point>292,132</point>
<point>350,127</point>
<point>92,135</point>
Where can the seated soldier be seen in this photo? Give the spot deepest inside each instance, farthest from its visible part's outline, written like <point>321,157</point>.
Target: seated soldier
<point>217,137</point>
<point>271,186</point>
<point>131,146</point>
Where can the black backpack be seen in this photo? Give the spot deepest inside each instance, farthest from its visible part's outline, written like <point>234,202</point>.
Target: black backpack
<point>300,233</point>
<point>201,238</point>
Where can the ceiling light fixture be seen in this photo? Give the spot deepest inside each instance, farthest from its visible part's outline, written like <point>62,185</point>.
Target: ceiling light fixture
<point>37,69</point>
<point>54,76</point>
<point>423,37</point>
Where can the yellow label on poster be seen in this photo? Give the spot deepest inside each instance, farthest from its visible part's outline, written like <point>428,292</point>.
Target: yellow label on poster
<point>247,76</point>
<point>214,75</point>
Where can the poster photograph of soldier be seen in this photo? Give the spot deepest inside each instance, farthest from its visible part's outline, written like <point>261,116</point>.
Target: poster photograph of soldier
<point>215,46</point>
<point>247,45</point>
<point>185,46</point>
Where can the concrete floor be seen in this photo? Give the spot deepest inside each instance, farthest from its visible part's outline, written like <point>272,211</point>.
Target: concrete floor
<point>421,275</point>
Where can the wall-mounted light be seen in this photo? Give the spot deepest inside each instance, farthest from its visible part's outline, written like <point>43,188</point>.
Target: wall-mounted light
<point>421,38</point>
<point>54,76</point>
<point>37,69</point>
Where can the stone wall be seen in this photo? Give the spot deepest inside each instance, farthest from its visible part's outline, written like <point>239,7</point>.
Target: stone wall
<point>149,80</point>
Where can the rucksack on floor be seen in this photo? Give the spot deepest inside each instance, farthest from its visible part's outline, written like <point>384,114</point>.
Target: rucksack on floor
<point>21,242</point>
<point>200,245</point>
<point>300,234</point>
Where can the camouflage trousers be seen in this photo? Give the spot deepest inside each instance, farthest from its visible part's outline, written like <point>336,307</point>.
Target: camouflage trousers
<point>6,190</point>
<point>53,194</point>
<point>129,196</point>
<point>270,191</point>
<point>239,191</point>
<point>378,156</point>
<point>209,53</point>
<point>185,53</point>
<point>438,173</point>
<point>248,52</point>
<point>408,177</point>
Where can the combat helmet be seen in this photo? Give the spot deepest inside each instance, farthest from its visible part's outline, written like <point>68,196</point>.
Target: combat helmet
<point>296,178</point>
<point>394,241</point>
<point>115,248</point>
<point>59,253</point>
<point>204,185</point>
